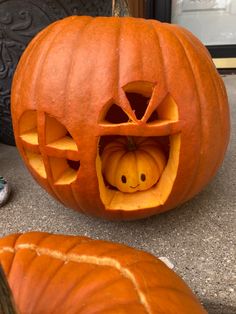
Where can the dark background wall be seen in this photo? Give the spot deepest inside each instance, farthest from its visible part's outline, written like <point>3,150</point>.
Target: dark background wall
<point>20,20</point>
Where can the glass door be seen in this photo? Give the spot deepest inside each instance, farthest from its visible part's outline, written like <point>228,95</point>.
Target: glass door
<point>212,21</point>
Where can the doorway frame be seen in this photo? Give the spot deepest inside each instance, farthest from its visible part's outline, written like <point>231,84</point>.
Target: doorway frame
<point>161,10</point>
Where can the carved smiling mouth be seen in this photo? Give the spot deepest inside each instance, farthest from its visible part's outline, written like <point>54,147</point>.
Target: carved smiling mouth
<point>134,187</point>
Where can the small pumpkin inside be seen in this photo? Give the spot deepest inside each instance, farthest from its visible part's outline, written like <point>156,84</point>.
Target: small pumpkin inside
<point>132,164</point>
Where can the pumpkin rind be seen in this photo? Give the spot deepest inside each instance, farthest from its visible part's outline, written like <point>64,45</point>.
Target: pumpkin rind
<point>76,68</point>
<point>70,274</point>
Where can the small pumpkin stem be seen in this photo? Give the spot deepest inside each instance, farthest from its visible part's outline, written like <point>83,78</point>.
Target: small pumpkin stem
<point>131,143</point>
<point>120,8</point>
<point>7,304</point>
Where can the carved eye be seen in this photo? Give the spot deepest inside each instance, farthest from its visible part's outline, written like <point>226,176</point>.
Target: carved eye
<point>123,179</point>
<point>143,177</point>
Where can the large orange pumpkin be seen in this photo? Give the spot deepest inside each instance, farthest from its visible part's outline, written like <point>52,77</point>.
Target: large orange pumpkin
<point>83,82</point>
<point>71,274</point>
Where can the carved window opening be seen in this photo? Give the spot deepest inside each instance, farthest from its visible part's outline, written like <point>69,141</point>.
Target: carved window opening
<point>54,154</point>
<point>159,122</point>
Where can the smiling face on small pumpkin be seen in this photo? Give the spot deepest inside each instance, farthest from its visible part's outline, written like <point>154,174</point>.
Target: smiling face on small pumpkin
<point>132,176</point>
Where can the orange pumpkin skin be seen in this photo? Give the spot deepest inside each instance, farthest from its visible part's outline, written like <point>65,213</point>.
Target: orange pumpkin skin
<point>71,274</point>
<point>76,68</point>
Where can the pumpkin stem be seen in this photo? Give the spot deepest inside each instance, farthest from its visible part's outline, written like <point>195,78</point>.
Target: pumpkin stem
<point>7,304</point>
<point>120,8</point>
<point>131,144</point>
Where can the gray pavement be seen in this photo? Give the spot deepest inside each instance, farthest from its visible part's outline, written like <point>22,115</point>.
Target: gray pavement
<point>198,238</point>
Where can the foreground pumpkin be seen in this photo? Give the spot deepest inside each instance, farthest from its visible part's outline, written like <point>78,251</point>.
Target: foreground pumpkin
<point>66,274</point>
<point>84,82</point>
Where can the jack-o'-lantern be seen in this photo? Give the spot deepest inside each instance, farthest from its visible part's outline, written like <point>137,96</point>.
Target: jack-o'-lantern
<point>70,274</point>
<point>84,84</point>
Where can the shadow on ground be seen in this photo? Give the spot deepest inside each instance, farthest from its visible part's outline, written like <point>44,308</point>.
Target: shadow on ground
<point>218,308</point>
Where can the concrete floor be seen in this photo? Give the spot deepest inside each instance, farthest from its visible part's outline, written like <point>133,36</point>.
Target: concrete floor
<point>198,238</point>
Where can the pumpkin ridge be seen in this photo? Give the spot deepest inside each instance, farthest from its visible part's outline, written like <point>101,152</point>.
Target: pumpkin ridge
<point>215,82</point>
<point>219,86</point>
<point>162,161</point>
<point>226,113</point>
<point>153,159</point>
<point>43,56</point>
<point>69,291</point>
<point>41,59</point>
<point>175,34</point>
<point>136,161</point>
<point>117,62</point>
<point>10,250</point>
<point>151,25</point>
<point>24,60</point>
<point>90,259</point>
<point>147,154</point>
<point>98,288</point>
<point>141,63</point>
<point>121,306</point>
<point>34,77</point>
<point>194,186</point>
<point>219,107</point>
<point>177,291</point>
<point>121,95</point>
<point>118,163</point>
<point>109,156</point>
<point>74,194</point>
<point>43,291</point>
<point>80,32</point>
<point>150,102</point>
<point>20,292</point>
<point>187,294</point>
<point>30,264</point>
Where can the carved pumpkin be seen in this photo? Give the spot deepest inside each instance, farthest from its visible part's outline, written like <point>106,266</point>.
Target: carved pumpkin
<point>132,164</point>
<point>83,82</point>
<point>66,274</point>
